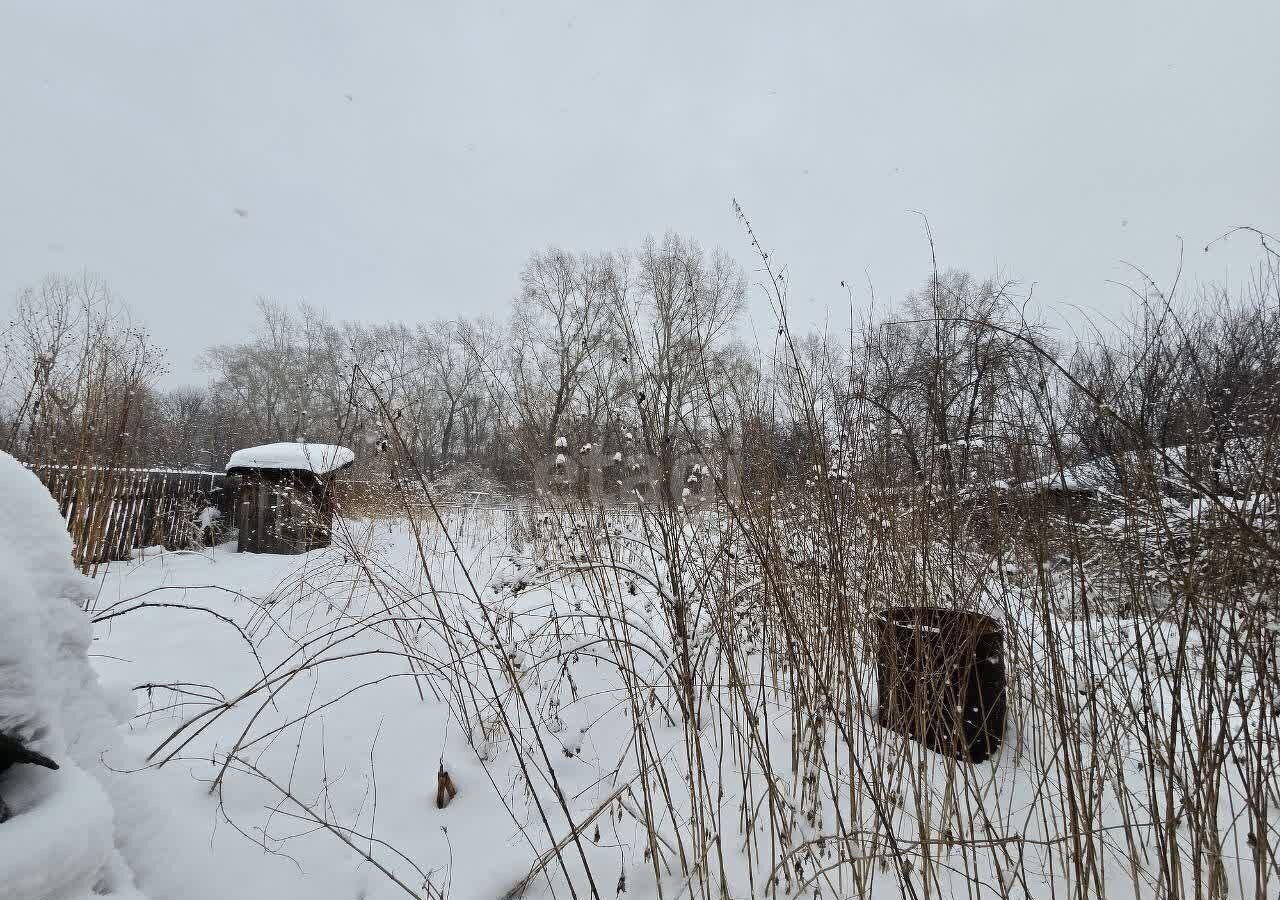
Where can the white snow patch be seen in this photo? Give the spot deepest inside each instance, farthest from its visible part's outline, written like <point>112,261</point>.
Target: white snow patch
<point>102,824</point>
<point>320,459</point>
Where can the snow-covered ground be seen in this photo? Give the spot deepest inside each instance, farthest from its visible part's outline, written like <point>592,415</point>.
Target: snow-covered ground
<point>286,719</point>
<point>99,824</point>
<point>341,730</point>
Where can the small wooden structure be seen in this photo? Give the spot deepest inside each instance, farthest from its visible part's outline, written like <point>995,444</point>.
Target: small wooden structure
<point>941,679</point>
<point>285,497</point>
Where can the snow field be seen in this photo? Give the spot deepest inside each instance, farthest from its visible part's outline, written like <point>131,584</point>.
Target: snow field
<point>543,665</point>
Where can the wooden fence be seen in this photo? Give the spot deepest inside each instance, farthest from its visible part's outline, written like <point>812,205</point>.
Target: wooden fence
<point>110,512</point>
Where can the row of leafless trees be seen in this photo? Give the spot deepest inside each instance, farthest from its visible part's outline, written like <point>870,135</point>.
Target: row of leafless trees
<point>75,374</point>
<point>643,351</point>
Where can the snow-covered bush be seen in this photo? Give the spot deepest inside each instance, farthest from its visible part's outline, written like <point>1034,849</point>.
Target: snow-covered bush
<point>198,525</point>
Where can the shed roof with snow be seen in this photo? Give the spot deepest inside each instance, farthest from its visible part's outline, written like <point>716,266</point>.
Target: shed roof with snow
<point>318,459</point>
<point>285,498</point>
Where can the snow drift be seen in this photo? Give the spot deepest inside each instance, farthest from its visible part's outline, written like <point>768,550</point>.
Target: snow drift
<point>96,826</point>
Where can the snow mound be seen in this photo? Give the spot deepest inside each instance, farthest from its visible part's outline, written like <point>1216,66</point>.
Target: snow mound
<point>61,841</point>
<point>96,826</point>
<point>320,459</point>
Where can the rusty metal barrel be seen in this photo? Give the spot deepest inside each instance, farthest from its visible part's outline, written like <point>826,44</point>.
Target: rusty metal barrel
<point>941,679</point>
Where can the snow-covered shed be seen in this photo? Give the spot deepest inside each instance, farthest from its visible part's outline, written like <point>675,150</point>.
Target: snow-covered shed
<point>285,498</point>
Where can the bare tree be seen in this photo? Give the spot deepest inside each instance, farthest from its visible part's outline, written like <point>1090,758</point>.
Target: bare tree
<point>954,377</point>
<point>558,323</point>
<point>75,369</point>
<point>292,380</point>
<point>672,306</point>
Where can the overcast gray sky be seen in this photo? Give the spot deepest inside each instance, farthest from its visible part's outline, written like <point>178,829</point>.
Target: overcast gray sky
<point>400,160</point>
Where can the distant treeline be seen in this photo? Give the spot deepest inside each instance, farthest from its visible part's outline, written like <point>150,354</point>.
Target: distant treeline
<point>644,351</point>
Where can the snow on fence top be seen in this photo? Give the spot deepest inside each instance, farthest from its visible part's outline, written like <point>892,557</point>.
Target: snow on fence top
<point>320,459</point>
<point>46,467</point>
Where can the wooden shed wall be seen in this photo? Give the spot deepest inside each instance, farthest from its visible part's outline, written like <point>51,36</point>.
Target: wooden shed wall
<point>283,512</point>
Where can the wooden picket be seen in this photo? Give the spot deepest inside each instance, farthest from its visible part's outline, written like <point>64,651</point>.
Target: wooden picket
<point>110,512</point>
